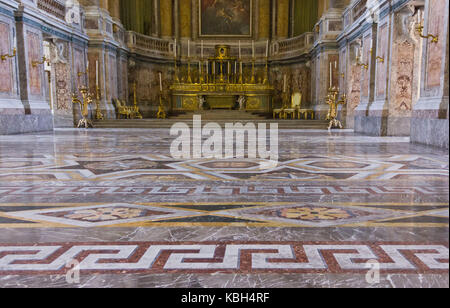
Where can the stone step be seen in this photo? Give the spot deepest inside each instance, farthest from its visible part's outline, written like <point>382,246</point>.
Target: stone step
<point>168,123</point>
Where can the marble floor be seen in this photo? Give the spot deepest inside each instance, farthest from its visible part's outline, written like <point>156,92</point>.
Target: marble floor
<point>338,210</point>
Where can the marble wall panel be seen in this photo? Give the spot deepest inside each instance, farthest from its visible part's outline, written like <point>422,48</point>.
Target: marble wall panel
<point>34,54</point>
<point>436,26</point>
<point>5,66</point>
<point>382,67</point>
<point>112,67</point>
<point>365,73</point>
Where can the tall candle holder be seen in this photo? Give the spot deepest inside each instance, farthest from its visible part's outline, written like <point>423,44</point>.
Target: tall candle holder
<point>189,77</point>
<point>136,112</point>
<point>177,80</point>
<point>241,77</point>
<point>253,79</point>
<point>266,72</point>
<point>161,110</point>
<point>84,105</point>
<point>98,113</point>
<point>333,101</point>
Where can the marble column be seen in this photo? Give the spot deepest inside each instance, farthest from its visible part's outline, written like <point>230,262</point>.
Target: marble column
<point>404,76</point>
<point>114,8</point>
<point>32,82</point>
<point>166,9</point>
<point>429,123</point>
<point>364,123</point>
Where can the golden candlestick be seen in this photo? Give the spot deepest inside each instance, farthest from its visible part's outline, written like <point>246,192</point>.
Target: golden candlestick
<point>333,101</point>
<point>84,105</point>
<point>189,78</point>
<point>136,114</point>
<point>98,113</point>
<point>266,72</point>
<point>253,80</point>
<point>161,110</point>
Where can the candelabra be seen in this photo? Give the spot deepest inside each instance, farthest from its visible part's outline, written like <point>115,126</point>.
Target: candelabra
<point>36,63</point>
<point>84,105</point>
<point>419,29</point>
<point>5,56</point>
<point>333,101</point>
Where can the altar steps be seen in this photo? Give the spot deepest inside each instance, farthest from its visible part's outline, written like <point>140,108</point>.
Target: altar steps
<point>168,123</point>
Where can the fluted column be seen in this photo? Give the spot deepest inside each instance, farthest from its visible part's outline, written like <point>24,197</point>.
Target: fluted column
<point>185,18</point>
<point>114,8</point>
<point>264,19</point>
<point>282,19</point>
<point>166,7</point>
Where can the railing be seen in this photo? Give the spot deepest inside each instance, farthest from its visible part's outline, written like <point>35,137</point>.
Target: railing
<point>55,8</point>
<point>294,46</point>
<point>148,45</point>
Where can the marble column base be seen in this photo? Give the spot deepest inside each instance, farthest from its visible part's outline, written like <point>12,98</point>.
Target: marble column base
<point>25,123</point>
<point>428,131</point>
<point>371,125</point>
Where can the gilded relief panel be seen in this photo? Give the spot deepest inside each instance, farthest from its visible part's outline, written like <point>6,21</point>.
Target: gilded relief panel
<point>63,91</point>
<point>5,66</point>
<point>404,80</point>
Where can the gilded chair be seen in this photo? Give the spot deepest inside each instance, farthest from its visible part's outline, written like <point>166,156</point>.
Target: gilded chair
<point>297,100</point>
<point>123,109</point>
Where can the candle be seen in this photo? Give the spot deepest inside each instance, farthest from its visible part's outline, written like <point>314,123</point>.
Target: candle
<point>207,67</point>
<point>240,55</point>
<point>160,82</point>
<point>189,48</point>
<point>87,66</point>
<point>267,49</point>
<point>331,76</point>
<point>175,48</point>
<point>253,48</point>
<point>96,73</point>
<point>202,49</point>
<point>285,81</point>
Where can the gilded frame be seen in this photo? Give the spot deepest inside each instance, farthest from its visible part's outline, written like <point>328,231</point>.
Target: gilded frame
<point>201,35</point>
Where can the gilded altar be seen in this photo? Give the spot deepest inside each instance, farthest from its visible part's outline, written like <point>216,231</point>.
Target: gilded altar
<point>221,83</point>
